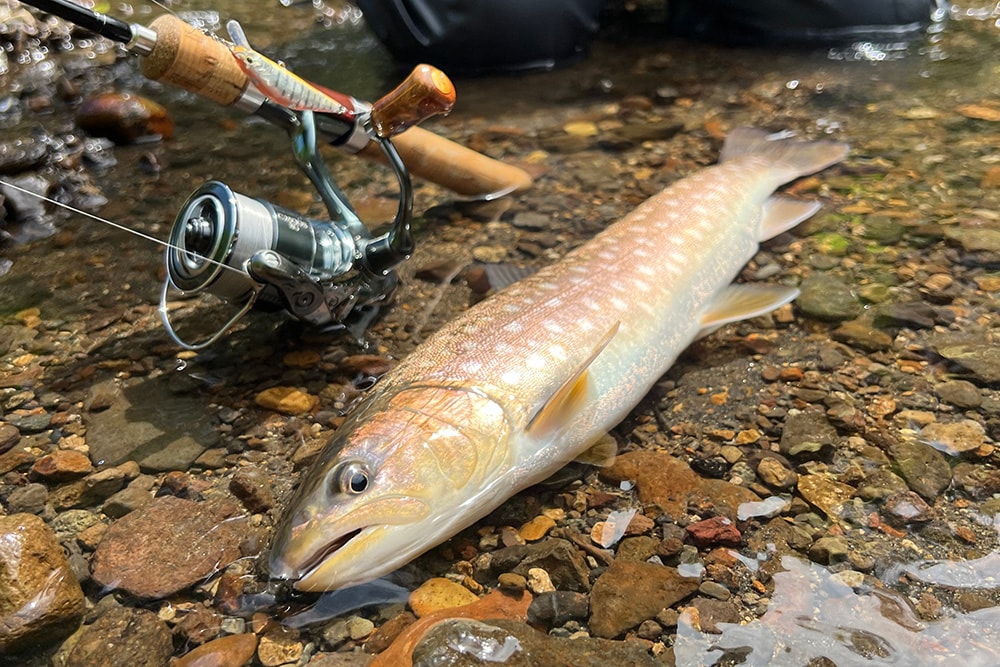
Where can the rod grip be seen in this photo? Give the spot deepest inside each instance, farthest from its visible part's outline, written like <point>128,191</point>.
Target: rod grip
<point>187,57</point>
<point>426,92</point>
<point>460,169</point>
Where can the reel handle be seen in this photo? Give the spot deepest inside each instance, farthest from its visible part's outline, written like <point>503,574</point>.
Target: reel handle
<point>426,92</point>
<point>187,57</point>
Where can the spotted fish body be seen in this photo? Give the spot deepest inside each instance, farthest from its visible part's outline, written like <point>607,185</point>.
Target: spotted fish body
<point>529,379</point>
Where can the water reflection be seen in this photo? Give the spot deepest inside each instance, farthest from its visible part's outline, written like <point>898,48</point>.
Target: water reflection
<point>816,615</point>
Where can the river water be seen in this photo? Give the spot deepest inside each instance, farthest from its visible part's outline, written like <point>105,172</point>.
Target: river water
<point>923,120</point>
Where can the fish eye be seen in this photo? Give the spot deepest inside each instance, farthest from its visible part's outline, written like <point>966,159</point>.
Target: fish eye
<point>354,478</point>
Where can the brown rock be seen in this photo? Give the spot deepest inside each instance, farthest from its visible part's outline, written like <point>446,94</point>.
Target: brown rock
<point>287,400</point>
<point>40,599</point>
<point>672,485</point>
<point>628,593</point>
<point>537,528</point>
<point>824,492</point>
<point>437,594</point>
<point>231,651</point>
<point>494,605</point>
<point>124,118</point>
<point>168,545</point>
<point>716,531</point>
<point>123,637</point>
<point>251,486</point>
<point>62,465</point>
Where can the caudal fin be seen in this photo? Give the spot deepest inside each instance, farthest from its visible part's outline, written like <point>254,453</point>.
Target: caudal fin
<point>793,157</point>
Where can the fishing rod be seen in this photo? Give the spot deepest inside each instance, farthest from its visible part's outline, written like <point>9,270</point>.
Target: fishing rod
<point>332,273</point>
<point>175,52</point>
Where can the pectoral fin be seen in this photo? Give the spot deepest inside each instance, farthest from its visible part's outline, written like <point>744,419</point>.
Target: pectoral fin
<point>569,398</point>
<point>741,302</point>
<point>601,454</point>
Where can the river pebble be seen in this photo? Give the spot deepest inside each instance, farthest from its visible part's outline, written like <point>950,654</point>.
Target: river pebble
<point>169,545</point>
<point>437,594</point>
<point>123,637</point>
<point>42,600</point>
<point>629,593</point>
<point>287,400</point>
<point>229,651</point>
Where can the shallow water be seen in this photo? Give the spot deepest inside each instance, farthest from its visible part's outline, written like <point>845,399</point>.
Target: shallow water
<point>930,109</point>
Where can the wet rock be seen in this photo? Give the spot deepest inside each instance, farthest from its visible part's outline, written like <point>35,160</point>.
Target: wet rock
<point>537,528</point>
<point>147,422</point>
<point>124,118</point>
<point>229,651</point>
<point>41,600</point>
<point>558,557</point>
<point>712,612</point>
<point>716,531</point>
<point>515,583</point>
<point>287,400</point>
<point>629,593</point>
<point>251,487</point>
<point>279,646</point>
<point>974,239</point>
<point>670,483</point>
<point>825,493</point>
<point>955,438</point>
<point>9,436</point>
<point>169,545</point>
<point>807,432</point>
<point>639,548</point>
<point>538,581</point>
<point>462,643</point>
<point>19,155</point>
<point>912,315</point>
<point>861,335</point>
<point>555,608</point>
<point>827,298</point>
<point>977,355</point>
<point>437,594</point>
<point>879,484</point>
<point>776,474</point>
<point>960,393</point>
<point>976,480</point>
<point>828,550</point>
<point>30,498</point>
<point>925,469</point>
<point>123,637</point>
<point>62,465</point>
<point>906,507</point>
<point>138,493</point>
<point>95,487</point>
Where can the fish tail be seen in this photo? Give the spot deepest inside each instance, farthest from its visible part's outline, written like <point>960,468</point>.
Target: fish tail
<point>791,158</point>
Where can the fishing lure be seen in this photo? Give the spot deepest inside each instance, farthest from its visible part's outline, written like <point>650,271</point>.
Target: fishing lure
<point>282,86</point>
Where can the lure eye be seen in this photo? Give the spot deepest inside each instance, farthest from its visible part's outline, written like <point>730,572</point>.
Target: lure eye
<point>354,479</point>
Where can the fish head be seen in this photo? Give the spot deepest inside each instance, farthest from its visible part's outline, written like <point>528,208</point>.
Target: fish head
<point>399,476</point>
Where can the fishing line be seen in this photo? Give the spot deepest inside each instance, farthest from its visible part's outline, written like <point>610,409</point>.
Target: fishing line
<point>120,226</point>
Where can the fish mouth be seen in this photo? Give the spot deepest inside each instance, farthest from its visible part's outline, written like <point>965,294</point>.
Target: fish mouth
<point>320,555</point>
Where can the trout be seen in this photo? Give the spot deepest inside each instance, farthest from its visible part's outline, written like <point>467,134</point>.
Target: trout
<point>531,378</point>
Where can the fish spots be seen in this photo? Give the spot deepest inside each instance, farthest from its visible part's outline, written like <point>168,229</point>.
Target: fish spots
<point>617,303</point>
<point>471,366</point>
<point>512,376</point>
<point>514,327</point>
<point>535,361</point>
<point>552,327</point>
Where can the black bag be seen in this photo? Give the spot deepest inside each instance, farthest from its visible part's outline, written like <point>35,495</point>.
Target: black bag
<point>477,36</point>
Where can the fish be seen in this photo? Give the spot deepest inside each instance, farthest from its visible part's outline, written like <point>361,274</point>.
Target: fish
<point>528,380</point>
<point>282,86</point>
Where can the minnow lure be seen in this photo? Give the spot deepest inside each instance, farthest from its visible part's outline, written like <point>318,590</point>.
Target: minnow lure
<point>282,86</point>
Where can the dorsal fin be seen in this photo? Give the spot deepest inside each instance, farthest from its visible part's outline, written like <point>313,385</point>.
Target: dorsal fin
<point>570,396</point>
